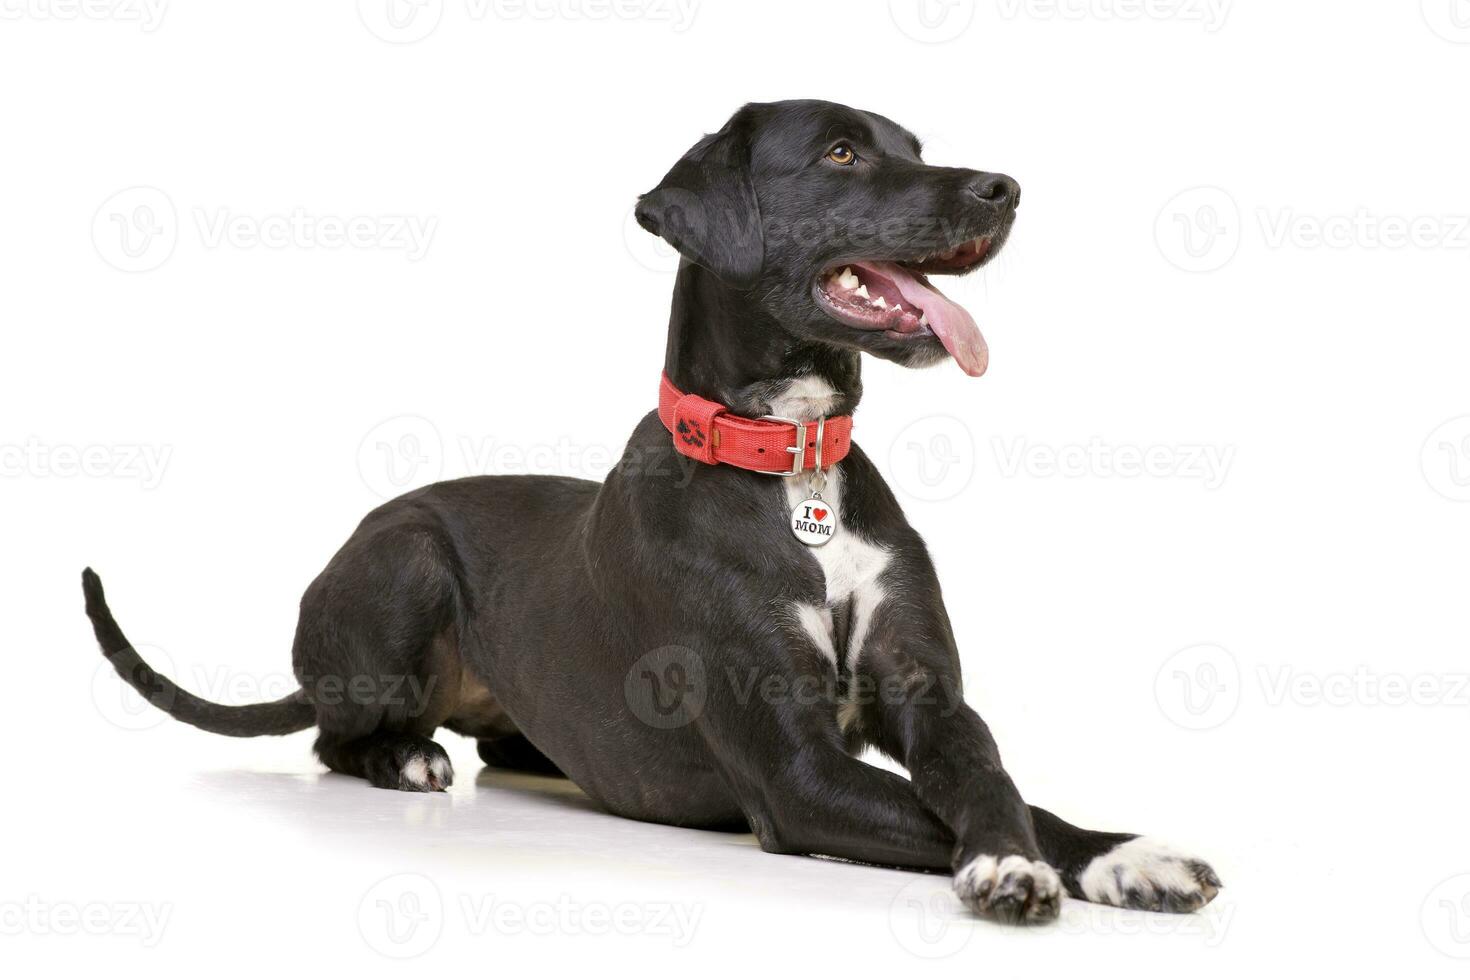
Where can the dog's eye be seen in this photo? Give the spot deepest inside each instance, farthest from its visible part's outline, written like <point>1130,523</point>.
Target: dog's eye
<point>842,155</point>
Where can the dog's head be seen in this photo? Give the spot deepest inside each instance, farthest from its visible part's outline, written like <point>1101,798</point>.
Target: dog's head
<point>829,220</point>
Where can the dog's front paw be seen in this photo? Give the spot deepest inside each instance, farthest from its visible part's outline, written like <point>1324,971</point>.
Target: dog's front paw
<point>1010,889</point>
<point>1145,874</point>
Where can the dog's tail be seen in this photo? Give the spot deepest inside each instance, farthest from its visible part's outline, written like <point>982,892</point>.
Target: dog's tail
<point>290,714</point>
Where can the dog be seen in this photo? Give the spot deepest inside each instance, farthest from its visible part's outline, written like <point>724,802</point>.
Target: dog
<point>712,635</point>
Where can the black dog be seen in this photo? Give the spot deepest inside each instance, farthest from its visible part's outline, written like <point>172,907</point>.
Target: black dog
<point>677,640</point>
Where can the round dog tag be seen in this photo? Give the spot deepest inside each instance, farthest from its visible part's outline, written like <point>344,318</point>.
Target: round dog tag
<point>814,521</point>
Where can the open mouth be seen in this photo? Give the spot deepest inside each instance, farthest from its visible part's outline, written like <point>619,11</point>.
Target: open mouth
<point>896,298</point>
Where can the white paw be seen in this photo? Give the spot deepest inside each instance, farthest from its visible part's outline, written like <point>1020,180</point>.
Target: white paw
<point>1010,889</point>
<point>1145,874</point>
<point>426,774</point>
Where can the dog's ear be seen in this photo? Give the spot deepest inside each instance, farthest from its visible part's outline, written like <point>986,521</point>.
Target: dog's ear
<point>706,207</point>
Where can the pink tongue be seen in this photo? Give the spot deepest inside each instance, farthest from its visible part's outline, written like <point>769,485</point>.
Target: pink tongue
<point>951,323</point>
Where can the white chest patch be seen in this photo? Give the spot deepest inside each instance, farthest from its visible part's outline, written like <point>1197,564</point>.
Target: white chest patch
<point>851,565</point>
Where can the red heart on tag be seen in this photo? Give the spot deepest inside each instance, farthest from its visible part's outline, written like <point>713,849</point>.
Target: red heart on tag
<point>819,514</point>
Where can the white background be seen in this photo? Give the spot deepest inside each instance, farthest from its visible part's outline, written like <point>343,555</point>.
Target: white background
<point>1262,659</point>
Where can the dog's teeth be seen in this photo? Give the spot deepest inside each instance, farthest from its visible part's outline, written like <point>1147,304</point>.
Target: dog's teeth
<point>881,303</point>
<point>847,280</point>
<point>949,254</point>
<point>861,291</point>
<point>923,319</point>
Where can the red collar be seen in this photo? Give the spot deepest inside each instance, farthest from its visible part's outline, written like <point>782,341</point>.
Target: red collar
<point>706,431</point>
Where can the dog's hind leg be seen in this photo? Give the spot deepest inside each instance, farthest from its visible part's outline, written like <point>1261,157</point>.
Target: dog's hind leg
<point>390,760</point>
<point>1123,869</point>
<point>377,654</point>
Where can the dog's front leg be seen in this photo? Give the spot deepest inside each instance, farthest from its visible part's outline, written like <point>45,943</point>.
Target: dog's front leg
<point>905,698</point>
<point>775,739</point>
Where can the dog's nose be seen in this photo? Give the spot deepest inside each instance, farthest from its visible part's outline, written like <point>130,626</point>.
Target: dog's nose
<point>997,189</point>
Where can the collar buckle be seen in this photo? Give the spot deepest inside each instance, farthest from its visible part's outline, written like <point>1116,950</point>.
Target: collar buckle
<point>798,451</point>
